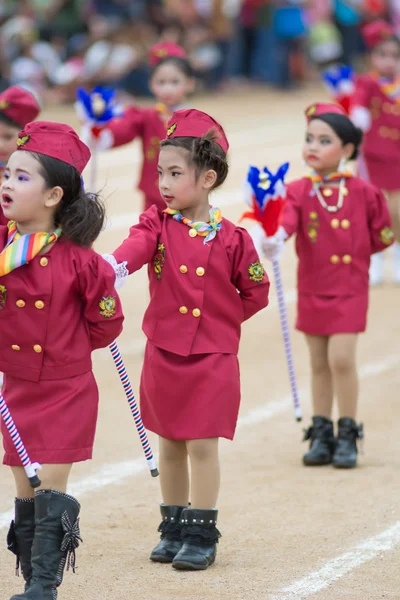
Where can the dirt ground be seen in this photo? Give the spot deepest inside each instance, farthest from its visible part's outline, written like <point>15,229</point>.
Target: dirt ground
<point>288,532</point>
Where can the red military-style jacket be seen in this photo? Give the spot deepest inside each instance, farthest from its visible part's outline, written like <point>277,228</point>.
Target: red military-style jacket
<point>382,140</point>
<point>200,293</point>
<point>55,310</point>
<point>149,125</point>
<point>334,249</point>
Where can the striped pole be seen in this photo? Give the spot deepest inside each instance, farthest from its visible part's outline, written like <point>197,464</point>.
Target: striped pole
<point>123,375</point>
<point>30,468</point>
<point>286,339</point>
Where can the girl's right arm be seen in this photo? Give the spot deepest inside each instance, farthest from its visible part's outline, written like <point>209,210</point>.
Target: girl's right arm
<point>119,131</point>
<point>289,224</point>
<point>139,247</point>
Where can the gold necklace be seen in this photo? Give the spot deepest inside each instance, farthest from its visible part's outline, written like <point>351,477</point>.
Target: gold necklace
<point>342,194</point>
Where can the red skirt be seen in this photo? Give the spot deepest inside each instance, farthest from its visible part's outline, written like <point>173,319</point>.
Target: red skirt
<point>328,315</point>
<point>193,397</point>
<point>384,175</point>
<point>55,419</point>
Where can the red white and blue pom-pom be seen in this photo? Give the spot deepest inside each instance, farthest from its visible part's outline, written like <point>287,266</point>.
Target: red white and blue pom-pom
<point>265,193</point>
<point>340,81</point>
<point>97,107</point>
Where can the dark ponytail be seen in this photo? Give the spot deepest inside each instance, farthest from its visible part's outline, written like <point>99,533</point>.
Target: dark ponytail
<point>344,129</point>
<point>81,215</point>
<point>204,154</point>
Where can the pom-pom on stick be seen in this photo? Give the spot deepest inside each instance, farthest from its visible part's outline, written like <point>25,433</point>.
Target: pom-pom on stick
<point>266,194</point>
<point>340,82</point>
<point>29,467</point>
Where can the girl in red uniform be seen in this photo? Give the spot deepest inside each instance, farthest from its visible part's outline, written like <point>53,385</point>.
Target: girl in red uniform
<point>205,280</point>
<point>339,222</point>
<point>375,108</point>
<point>57,304</point>
<point>171,81</point>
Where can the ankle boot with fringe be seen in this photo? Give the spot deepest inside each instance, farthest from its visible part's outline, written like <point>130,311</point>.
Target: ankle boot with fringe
<point>200,537</point>
<point>345,456</point>
<point>170,529</point>
<point>20,536</point>
<point>56,538</point>
<point>322,442</point>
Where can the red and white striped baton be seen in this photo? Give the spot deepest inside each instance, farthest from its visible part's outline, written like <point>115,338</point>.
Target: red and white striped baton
<point>123,375</point>
<point>30,468</point>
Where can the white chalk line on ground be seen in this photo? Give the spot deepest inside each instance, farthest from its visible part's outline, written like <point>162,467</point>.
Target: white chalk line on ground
<point>115,473</point>
<point>338,567</point>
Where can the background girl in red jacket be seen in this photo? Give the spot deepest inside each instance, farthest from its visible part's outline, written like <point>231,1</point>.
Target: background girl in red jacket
<point>205,280</point>
<point>171,81</point>
<point>339,222</point>
<point>57,304</point>
<point>375,107</point>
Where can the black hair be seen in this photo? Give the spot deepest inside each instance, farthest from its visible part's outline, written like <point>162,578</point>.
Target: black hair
<point>81,215</point>
<point>204,153</point>
<point>344,129</point>
<point>7,121</point>
<point>392,38</point>
<point>180,63</point>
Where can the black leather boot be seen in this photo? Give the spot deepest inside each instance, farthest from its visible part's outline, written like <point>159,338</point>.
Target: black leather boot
<point>170,529</point>
<point>345,456</point>
<point>20,536</point>
<point>56,538</point>
<point>322,442</point>
<point>200,537</point>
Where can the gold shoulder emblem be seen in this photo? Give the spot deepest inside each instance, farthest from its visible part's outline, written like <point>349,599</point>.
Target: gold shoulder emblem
<point>159,260</point>
<point>311,111</point>
<point>3,296</point>
<point>4,105</point>
<point>21,141</point>
<point>172,129</point>
<point>386,235</point>
<point>107,306</point>
<point>256,272</point>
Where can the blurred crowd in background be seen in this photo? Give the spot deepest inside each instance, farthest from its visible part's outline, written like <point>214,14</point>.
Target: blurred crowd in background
<point>52,46</point>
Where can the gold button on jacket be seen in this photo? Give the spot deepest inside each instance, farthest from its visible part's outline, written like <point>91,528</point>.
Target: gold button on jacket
<point>39,304</point>
<point>335,223</point>
<point>15,347</point>
<point>345,224</point>
<point>44,262</point>
<point>20,303</point>
<point>196,312</point>
<point>183,269</point>
<point>200,271</point>
<point>192,233</point>
<point>335,259</point>
<point>183,310</point>
<point>327,192</point>
<point>347,259</point>
<point>37,348</point>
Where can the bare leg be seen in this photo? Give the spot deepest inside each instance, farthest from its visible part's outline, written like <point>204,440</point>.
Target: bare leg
<point>393,200</point>
<point>342,361</point>
<point>205,468</point>
<point>174,472</point>
<point>321,376</point>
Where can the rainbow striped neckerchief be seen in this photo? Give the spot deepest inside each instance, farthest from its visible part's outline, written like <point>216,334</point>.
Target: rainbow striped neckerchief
<point>390,87</point>
<point>21,249</point>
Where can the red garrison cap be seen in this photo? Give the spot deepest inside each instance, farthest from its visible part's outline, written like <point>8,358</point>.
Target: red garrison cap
<point>19,105</point>
<point>165,50</point>
<point>195,123</point>
<point>321,108</point>
<point>377,32</point>
<point>56,140</point>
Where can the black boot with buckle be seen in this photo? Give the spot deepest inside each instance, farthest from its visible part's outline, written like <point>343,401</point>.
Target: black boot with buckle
<point>200,537</point>
<point>322,442</point>
<point>170,529</point>
<point>56,538</point>
<point>20,536</point>
<point>345,456</point>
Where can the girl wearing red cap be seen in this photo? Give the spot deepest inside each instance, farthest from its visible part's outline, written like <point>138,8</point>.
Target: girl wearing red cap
<point>171,81</point>
<point>376,110</point>
<point>57,304</point>
<point>205,280</point>
<point>339,222</point>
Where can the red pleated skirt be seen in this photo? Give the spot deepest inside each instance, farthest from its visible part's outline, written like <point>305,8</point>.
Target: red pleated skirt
<point>194,397</point>
<point>55,419</point>
<point>328,315</point>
